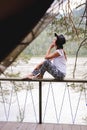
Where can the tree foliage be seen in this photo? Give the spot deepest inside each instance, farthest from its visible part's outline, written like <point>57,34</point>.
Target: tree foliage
<point>73,24</point>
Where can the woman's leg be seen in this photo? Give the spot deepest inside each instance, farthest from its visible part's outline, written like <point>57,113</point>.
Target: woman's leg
<point>51,68</point>
<point>35,72</point>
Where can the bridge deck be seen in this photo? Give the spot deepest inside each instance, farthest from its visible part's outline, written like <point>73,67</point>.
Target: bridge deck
<point>36,126</point>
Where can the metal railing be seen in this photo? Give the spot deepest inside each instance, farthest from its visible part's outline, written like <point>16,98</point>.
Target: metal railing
<point>40,81</point>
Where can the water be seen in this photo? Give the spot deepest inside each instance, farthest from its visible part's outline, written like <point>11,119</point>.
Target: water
<point>26,67</point>
<point>24,105</point>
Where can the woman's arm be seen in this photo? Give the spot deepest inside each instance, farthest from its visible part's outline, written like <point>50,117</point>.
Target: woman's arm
<point>50,55</point>
<point>65,55</point>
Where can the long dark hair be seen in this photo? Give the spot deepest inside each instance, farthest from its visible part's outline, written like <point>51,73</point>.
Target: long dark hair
<point>59,46</point>
<point>60,41</point>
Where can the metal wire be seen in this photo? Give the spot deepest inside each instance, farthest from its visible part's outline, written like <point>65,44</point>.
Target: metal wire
<point>54,102</point>
<point>10,103</point>
<point>46,103</point>
<point>5,110</point>
<point>70,102</point>
<point>3,101</point>
<point>17,99</point>
<point>85,94</point>
<point>62,104</point>
<point>33,102</point>
<point>77,107</point>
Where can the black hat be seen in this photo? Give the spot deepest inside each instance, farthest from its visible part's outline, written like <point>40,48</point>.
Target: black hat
<point>60,39</point>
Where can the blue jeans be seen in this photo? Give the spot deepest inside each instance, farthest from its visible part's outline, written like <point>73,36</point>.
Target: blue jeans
<point>50,68</point>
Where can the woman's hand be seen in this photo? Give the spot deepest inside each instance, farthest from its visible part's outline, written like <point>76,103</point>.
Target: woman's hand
<point>49,55</point>
<point>52,44</point>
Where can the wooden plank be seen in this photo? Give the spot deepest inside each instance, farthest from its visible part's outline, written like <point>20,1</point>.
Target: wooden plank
<point>66,127</point>
<point>7,126</point>
<point>49,126</point>
<point>84,127</point>
<point>15,125</point>
<point>76,127</point>
<point>36,126</point>
<point>19,126</point>
<point>2,124</point>
<point>31,126</point>
<point>10,126</point>
<point>40,127</point>
<point>23,126</point>
<point>58,127</point>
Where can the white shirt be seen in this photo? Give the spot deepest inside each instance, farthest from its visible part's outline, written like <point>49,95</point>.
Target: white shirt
<point>60,61</point>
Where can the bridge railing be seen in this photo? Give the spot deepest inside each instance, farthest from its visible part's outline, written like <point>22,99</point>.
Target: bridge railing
<point>57,91</point>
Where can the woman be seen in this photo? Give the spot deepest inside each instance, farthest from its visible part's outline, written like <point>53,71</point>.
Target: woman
<point>54,63</point>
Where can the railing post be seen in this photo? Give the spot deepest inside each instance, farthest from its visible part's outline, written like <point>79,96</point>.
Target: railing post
<point>40,102</point>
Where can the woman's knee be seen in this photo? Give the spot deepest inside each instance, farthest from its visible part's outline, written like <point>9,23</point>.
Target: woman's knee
<point>47,62</point>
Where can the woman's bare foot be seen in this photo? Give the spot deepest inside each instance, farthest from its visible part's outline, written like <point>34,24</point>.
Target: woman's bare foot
<point>30,76</point>
<point>38,76</point>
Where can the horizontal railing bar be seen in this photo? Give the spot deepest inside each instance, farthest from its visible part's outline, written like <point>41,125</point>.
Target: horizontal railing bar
<point>45,80</point>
